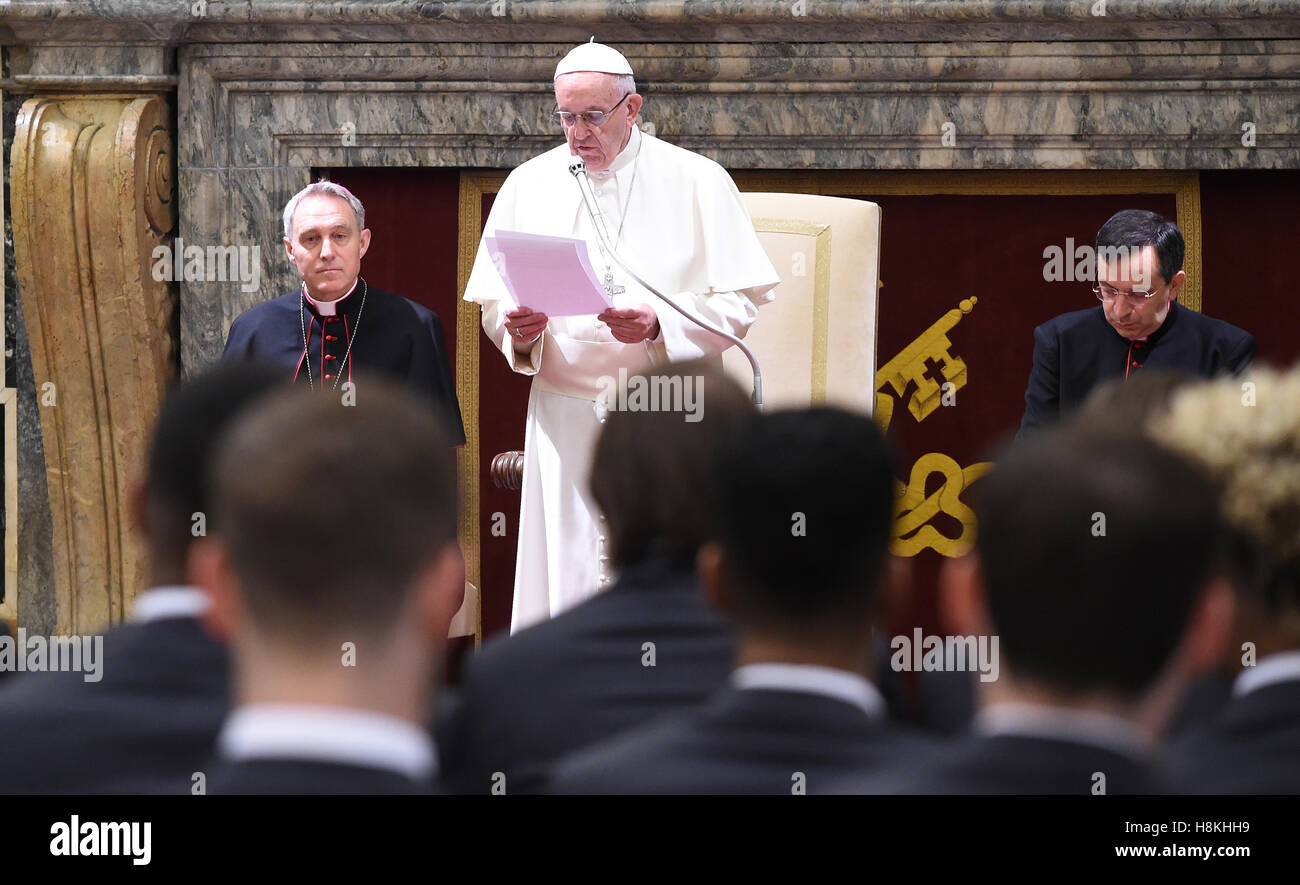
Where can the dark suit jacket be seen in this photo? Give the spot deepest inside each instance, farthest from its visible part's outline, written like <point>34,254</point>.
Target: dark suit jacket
<point>745,741</point>
<point>525,700</point>
<point>1253,747</point>
<point>146,727</point>
<point>395,337</point>
<point>1075,352</point>
<point>1018,765</point>
<point>302,777</point>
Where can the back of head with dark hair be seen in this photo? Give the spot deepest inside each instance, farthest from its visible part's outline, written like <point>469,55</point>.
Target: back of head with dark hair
<point>1138,227</point>
<point>805,508</point>
<point>652,474</point>
<point>331,511</point>
<point>1095,547</point>
<point>193,418</point>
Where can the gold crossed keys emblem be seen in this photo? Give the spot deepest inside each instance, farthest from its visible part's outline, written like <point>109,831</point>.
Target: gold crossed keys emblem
<point>927,370</point>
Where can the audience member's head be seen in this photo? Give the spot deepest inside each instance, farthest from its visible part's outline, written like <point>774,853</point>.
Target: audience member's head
<point>652,475</point>
<point>805,508</point>
<point>338,527</point>
<point>1246,433</point>
<point>175,499</point>
<point>1127,404</point>
<point>1097,569</point>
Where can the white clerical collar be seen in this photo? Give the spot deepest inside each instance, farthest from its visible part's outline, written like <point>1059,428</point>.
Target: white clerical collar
<point>177,601</point>
<point>625,158</point>
<point>328,734</point>
<point>1280,667</point>
<point>328,308</point>
<point>1061,723</point>
<point>843,685</point>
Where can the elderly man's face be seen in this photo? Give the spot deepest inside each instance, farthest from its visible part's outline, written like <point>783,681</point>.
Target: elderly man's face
<point>584,91</point>
<point>326,246</point>
<point>1136,318</point>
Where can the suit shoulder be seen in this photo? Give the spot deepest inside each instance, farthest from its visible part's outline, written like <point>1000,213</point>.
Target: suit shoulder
<point>268,311</point>
<point>521,653</point>
<point>1216,327</point>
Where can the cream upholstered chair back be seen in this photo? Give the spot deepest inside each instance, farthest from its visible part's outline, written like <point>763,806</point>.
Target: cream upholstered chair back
<point>816,343</point>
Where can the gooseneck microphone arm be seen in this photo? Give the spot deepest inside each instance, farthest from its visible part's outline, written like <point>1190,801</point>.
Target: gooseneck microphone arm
<point>578,169</point>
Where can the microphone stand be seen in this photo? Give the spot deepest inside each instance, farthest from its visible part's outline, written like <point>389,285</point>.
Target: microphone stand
<point>578,169</point>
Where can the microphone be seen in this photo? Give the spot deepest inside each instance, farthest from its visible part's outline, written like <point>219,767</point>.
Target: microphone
<point>578,169</point>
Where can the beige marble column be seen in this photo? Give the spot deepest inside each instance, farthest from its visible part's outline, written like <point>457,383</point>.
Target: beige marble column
<point>91,199</point>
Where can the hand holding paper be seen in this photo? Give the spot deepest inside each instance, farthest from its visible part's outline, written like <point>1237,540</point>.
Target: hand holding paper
<point>549,275</point>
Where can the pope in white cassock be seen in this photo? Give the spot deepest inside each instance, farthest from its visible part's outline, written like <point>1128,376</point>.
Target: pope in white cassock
<point>675,218</point>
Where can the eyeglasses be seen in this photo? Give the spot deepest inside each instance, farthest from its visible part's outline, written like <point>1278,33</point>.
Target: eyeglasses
<point>1110,293</point>
<point>594,119</point>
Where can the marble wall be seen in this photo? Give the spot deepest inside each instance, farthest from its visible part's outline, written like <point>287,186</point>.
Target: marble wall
<point>266,90</point>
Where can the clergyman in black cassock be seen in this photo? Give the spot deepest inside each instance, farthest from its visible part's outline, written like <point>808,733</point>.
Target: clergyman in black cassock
<point>1137,326</point>
<point>336,323</point>
<point>395,337</point>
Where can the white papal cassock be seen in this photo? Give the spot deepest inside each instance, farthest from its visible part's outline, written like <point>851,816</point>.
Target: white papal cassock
<point>686,232</point>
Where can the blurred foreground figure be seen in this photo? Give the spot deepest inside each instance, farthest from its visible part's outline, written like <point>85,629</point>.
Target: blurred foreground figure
<point>806,500</point>
<point>1095,570</point>
<point>650,643</point>
<point>335,597</point>
<point>149,722</point>
<point>1246,432</point>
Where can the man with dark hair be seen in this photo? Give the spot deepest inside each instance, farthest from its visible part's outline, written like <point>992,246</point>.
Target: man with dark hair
<point>150,722</point>
<point>336,322</point>
<point>1098,637</point>
<point>805,505</point>
<point>335,597</point>
<point>1139,270</point>
<point>647,645</point>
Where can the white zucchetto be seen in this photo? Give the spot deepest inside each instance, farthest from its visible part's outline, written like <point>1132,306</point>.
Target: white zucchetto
<point>596,57</point>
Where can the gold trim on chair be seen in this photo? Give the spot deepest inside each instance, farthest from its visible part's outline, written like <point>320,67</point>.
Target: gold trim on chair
<point>821,234</point>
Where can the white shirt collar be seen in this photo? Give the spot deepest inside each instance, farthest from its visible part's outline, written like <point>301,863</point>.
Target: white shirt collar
<point>177,601</point>
<point>328,308</point>
<point>624,159</point>
<point>1061,723</point>
<point>852,688</point>
<point>1280,667</point>
<point>328,734</point>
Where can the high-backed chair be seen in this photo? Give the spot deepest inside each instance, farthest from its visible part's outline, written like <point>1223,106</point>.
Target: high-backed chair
<point>816,343</point>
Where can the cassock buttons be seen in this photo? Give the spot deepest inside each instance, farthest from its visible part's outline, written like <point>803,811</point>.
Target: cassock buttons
<point>330,356</point>
<point>331,338</point>
<point>329,377</point>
